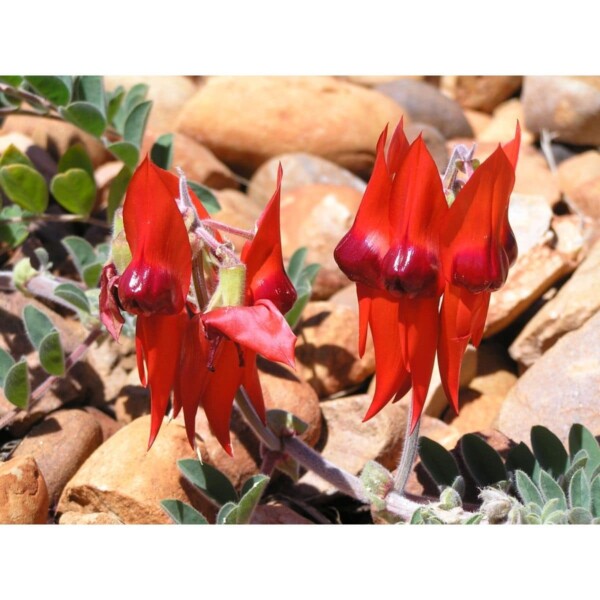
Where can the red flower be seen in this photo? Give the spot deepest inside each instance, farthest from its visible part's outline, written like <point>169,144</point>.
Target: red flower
<point>392,252</point>
<point>202,357</point>
<point>478,247</point>
<point>221,345</point>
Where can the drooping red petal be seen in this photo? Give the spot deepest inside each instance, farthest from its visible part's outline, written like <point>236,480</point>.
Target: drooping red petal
<point>462,318</point>
<point>389,341</point>
<point>192,376</point>
<point>421,319</point>
<point>261,328</point>
<point>417,206</point>
<point>159,338</point>
<point>218,395</point>
<point>475,232</point>
<point>265,275</point>
<point>364,294</point>
<point>110,313</point>
<point>158,277</point>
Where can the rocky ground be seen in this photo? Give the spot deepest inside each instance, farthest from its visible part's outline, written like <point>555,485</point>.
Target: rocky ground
<point>80,456</point>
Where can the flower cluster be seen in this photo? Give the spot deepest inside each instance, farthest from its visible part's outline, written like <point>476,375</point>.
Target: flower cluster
<point>203,314</point>
<point>413,243</point>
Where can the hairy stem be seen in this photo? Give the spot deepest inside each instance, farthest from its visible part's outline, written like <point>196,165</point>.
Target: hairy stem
<point>409,452</point>
<point>37,394</point>
<point>264,434</point>
<point>249,235</point>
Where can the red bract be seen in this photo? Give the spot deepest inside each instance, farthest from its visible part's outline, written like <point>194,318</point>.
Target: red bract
<point>478,247</point>
<point>392,252</point>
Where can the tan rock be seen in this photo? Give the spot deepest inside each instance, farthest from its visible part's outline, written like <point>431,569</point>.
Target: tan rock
<point>55,136</point>
<point>168,95</point>
<point>125,480</point>
<point>277,514</point>
<point>299,169</point>
<point>425,103</point>
<point>23,492</point>
<point>481,401</point>
<point>237,210</point>
<point>502,125</point>
<point>587,198</point>
<point>567,106</point>
<point>327,349</point>
<point>247,120</point>
<point>99,518</point>
<point>132,403</point>
<point>346,297</point>
<point>478,120</point>
<point>530,218</point>
<point>60,444</point>
<point>285,389</point>
<point>198,163</point>
<point>440,432</point>
<point>374,80</point>
<point>578,170</point>
<point>482,92</point>
<point>575,303</point>
<point>317,216</point>
<point>350,443</point>
<point>530,277</point>
<point>108,425</point>
<point>560,389</point>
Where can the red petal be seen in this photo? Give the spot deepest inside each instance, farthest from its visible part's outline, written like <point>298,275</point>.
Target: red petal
<point>158,277</point>
<point>221,386</point>
<point>261,328</point>
<point>422,323</point>
<point>389,335</point>
<point>462,317</point>
<point>159,338</point>
<point>475,231</point>
<point>192,376</point>
<point>364,294</point>
<point>417,207</point>
<point>398,148</point>
<point>361,250</point>
<point>266,276</point>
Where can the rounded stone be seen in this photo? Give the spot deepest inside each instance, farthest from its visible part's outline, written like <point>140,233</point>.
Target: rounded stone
<point>426,104</point>
<point>317,216</point>
<point>567,106</point>
<point>23,492</point>
<point>299,169</point>
<point>60,444</point>
<point>125,479</point>
<point>247,120</point>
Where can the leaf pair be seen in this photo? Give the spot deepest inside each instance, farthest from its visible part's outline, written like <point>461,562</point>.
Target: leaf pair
<point>234,509</point>
<point>14,376</point>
